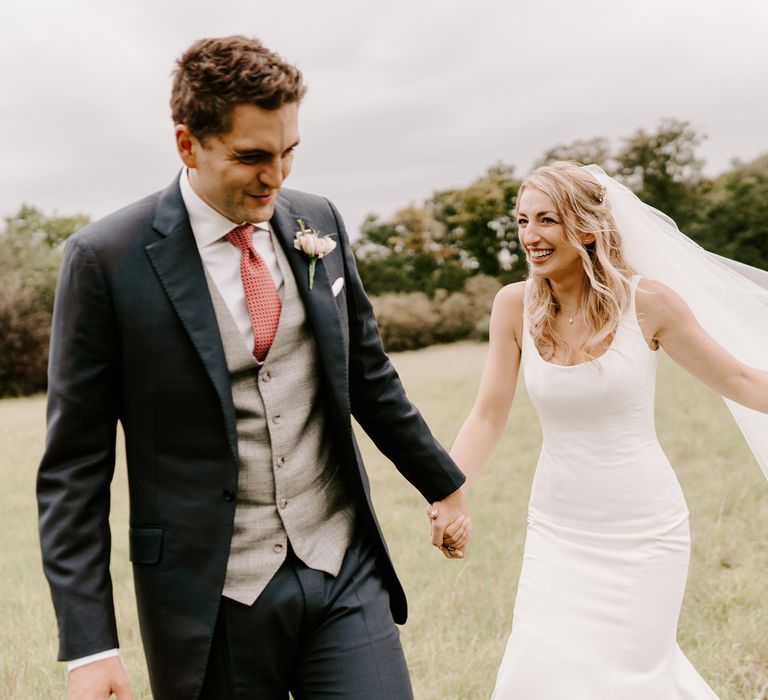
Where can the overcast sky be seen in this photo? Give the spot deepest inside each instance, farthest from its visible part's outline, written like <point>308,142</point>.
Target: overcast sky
<point>405,96</point>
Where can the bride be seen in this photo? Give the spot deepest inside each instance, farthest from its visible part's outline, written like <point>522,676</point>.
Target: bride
<point>607,546</point>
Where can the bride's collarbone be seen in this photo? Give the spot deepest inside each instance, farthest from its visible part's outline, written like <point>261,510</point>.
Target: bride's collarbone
<point>575,335</point>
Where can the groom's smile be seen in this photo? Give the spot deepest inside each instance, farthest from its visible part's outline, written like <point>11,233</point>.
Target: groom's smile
<point>240,171</point>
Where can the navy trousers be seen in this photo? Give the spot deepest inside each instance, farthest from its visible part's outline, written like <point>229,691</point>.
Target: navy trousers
<point>311,634</point>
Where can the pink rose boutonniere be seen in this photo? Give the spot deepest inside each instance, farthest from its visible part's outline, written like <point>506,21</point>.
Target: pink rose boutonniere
<point>314,246</point>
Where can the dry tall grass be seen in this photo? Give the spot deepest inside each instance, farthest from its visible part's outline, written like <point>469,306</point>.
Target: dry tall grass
<point>460,611</point>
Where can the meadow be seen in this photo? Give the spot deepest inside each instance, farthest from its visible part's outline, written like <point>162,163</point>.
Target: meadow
<point>461,611</point>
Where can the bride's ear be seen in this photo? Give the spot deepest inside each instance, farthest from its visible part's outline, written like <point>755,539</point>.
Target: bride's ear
<point>587,238</point>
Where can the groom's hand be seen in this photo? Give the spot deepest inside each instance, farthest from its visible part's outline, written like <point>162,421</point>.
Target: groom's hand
<point>450,525</point>
<point>98,680</point>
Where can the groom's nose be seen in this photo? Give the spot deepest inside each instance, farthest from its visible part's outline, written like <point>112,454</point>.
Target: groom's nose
<point>273,174</point>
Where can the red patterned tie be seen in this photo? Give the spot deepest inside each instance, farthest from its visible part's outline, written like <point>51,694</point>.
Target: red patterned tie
<point>261,296</point>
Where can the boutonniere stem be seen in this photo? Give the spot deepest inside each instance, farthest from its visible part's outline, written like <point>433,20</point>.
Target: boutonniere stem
<point>313,245</point>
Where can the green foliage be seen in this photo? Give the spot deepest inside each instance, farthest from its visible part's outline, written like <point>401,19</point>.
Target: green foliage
<point>734,216</point>
<point>412,320</point>
<point>406,321</point>
<point>409,253</point>
<point>24,332</point>
<point>425,262</point>
<point>30,254</point>
<point>585,151</point>
<point>425,259</point>
<point>52,230</point>
<point>30,247</point>
<point>479,220</point>
<point>459,233</point>
<point>662,169</point>
<point>659,166</point>
<point>454,235</point>
<point>482,291</point>
<point>455,317</point>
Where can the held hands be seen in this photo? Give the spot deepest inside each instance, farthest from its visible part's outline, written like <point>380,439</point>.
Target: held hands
<point>450,526</point>
<point>98,680</point>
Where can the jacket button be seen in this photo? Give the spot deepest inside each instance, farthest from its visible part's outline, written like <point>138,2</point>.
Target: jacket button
<point>228,495</point>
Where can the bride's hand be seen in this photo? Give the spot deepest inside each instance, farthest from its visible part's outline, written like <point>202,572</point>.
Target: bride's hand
<point>455,535</point>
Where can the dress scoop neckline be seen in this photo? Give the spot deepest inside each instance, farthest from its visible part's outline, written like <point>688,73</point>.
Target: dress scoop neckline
<point>577,364</point>
<point>631,309</point>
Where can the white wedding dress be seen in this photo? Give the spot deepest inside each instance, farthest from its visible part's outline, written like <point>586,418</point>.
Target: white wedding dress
<point>607,549</point>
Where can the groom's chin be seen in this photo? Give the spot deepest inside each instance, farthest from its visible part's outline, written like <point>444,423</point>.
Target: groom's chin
<point>259,209</point>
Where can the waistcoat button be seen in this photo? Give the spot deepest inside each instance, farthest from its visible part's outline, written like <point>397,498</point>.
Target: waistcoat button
<point>276,420</point>
<point>266,376</point>
<point>277,547</point>
<point>283,503</point>
<point>280,461</point>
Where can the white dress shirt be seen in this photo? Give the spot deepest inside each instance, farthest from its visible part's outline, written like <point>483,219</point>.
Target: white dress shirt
<point>222,261</point>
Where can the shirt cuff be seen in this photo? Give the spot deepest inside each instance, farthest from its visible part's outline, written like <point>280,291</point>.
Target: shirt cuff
<point>83,660</point>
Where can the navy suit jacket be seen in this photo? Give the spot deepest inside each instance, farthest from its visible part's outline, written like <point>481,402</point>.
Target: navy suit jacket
<point>135,340</point>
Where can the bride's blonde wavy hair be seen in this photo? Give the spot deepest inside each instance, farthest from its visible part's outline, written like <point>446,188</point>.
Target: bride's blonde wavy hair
<point>583,209</point>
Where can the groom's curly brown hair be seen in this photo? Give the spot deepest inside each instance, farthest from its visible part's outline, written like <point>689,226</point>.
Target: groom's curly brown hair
<point>213,76</point>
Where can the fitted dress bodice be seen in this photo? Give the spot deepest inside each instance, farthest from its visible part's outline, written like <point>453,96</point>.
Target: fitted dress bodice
<point>601,463</point>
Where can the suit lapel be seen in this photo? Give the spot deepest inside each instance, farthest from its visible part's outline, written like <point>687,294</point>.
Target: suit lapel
<point>322,311</point>
<point>177,263</point>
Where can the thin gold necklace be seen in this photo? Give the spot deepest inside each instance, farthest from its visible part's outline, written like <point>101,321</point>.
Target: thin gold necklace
<point>572,316</point>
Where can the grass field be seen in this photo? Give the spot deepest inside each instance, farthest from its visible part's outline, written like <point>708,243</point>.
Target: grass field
<point>460,610</point>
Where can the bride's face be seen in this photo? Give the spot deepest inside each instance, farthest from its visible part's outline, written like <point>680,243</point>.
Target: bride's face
<point>542,235</point>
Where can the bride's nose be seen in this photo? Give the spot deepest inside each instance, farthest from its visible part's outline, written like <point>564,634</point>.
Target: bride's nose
<point>530,235</point>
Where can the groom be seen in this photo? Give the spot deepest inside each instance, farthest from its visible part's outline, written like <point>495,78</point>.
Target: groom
<point>192,319</point>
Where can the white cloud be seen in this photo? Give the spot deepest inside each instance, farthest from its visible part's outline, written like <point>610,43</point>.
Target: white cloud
<point>405,97</point>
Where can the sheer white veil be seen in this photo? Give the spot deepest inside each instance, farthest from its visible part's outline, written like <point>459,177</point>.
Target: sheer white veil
<point>729,299</point>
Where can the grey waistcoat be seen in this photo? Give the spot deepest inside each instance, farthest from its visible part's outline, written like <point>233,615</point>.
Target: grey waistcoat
<point>288,483</point>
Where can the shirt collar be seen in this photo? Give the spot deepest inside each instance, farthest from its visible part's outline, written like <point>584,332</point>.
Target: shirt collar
<point>208,225</point>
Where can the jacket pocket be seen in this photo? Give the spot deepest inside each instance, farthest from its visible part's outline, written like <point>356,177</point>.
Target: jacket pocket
<point>145,544</point>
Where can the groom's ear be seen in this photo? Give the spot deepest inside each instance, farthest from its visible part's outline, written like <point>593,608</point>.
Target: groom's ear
<point>185,145</point>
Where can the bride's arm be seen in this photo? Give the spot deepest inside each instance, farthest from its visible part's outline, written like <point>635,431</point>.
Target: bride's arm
<point>665,317</point>
<point>485,423</point>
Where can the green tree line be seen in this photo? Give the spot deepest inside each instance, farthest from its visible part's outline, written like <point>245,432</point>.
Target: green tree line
<point>433,268</point>
<point>459,233</point>
<point>30,254</point>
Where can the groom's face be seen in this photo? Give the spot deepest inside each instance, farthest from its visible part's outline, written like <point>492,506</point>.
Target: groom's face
<point>239,172</point>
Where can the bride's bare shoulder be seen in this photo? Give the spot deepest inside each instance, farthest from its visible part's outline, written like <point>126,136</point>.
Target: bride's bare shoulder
<point>654,296</point>
<point>507,314</point>
<point>657,307</point>
<point>509,299</point>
